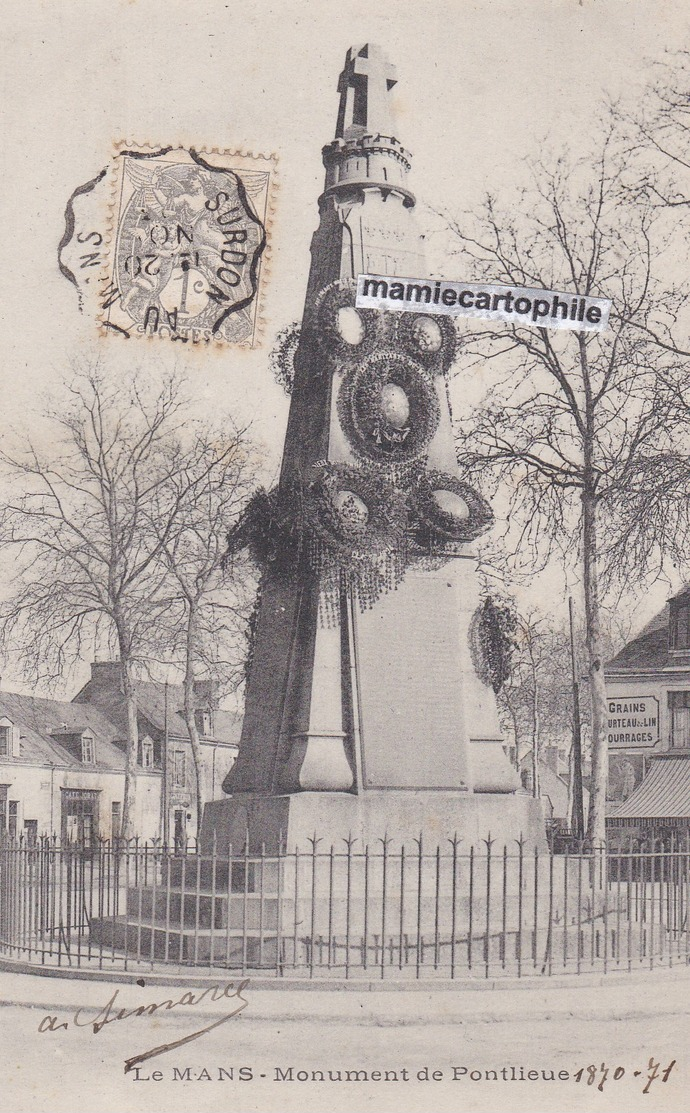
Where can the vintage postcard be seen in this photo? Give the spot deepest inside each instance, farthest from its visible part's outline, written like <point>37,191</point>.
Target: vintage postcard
<point>344,574</point>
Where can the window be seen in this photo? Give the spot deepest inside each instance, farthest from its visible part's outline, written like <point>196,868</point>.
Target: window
<point>679,706</point>
<point>5,741</point>
<point>115,819</point>
<point>147,754</point>
<point>680,624</point>
<point>31,831</point>
<point>179,771</point>
<point>79,815</point>
<point>88,756</point>
<point>12,817</point>
<point>204,723</point>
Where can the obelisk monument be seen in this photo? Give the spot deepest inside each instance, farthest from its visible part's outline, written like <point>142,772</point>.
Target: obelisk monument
<point>367,713</point>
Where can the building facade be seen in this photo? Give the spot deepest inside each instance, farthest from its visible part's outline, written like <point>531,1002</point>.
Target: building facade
<point>62,764</point>
<point>648,689</point>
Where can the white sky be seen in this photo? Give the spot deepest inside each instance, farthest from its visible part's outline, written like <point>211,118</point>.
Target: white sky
<point>479,86</point>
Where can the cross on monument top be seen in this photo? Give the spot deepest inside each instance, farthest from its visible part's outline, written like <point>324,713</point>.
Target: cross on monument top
<point>364,87</point>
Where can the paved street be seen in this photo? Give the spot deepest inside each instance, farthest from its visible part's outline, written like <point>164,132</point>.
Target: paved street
<point>281,1037</point>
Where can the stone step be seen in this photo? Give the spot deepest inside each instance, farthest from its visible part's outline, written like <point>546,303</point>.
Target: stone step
<point>195,948</point>
<point>239,875</point>
<point>255,948</point>
<point>203,909</point>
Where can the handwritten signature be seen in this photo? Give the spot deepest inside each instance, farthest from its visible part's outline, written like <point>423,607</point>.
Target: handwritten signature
<point>112,1012</point>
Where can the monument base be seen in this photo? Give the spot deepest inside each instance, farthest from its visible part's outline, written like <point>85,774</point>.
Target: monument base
<point>401,816</point>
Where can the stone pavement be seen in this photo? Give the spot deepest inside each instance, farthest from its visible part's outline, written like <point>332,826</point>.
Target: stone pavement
<point>617,996</point>
<point>263,1059</point>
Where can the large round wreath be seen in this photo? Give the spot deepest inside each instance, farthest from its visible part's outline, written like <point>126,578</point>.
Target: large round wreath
<point>432,340</point>
<point>492,642</point>
<point>363,414</point>
<point>435,527</point>
<point>282,356</point>
<point>341,295</point>
<point>356,528</point>
<point>342,523</point>
<point>354,513</point>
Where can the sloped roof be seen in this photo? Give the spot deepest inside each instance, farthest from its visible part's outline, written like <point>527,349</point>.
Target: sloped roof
<point>648,650</point>
<point>679,594</point>
<point>663,794</point>
<point>47,728</point>
<point>109,701</point>
<point>38,718</point>
<point>227,726</point>
<point>551,785</point>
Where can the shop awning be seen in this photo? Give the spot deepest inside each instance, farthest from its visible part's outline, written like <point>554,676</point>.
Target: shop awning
<point>663,794</point>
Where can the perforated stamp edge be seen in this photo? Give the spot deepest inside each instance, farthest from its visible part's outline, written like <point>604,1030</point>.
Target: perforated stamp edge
<point>235,159</point>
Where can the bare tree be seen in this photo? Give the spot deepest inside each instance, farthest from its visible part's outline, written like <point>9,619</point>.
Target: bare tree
<point>573,423</point>
<point>655,138</point>
<point>656,130</point>
<point>210,596</point>
<point>86,567</point>
<point>536,697</point>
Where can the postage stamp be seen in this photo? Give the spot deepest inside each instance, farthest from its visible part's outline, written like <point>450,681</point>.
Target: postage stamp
<point>179,248</point>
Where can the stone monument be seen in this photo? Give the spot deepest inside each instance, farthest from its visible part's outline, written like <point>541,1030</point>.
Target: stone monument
<point>367,710</point>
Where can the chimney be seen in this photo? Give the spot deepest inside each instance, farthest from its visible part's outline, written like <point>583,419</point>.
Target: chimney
<point>106,676</point>
<point>551,757</point>
<point>206,695</point>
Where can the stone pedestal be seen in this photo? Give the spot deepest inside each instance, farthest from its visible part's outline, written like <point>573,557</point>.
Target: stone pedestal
<point>268,821</point>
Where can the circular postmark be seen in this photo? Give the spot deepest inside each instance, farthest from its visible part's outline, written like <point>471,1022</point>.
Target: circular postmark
<point>187,250</point>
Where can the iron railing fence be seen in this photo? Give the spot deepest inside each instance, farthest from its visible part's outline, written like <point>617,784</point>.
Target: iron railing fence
<point>384,911</point>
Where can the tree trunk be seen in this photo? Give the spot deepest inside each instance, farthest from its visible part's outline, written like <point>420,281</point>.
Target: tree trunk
<point>571,780</point>
<point>189,709</point>
<point>505,702</point>
<point>129,691</point>
<point>596,824</point>
<point>516,734</point>
<point>536,786</point>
